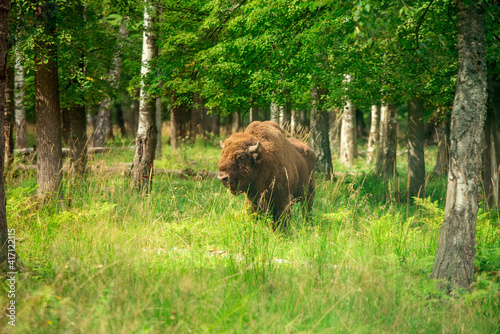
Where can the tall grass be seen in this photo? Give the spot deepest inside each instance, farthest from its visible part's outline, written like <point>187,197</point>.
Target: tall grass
<point>189,258</point>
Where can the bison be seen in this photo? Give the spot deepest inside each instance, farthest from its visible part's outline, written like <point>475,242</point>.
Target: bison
<point>272,171</point>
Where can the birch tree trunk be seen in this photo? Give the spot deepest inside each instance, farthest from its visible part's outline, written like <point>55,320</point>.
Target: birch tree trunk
<point>386,158</point>
<point>374,132</point>
<point>319,133</point>
<point>348,135</point>
<point>294,122</point>
<point>348,132</point>
<point>8,125</point>
<point>285,115</point>
<point>145,143</point>
<point>456,250</point>
<point>104,127</point>
<point>274,112</point>
<point>47,111</point>
<point>416,161</point>
<point>21,139</point>
<point>4,46</point>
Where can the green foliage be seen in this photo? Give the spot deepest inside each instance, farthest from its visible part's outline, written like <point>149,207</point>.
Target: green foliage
<point>188,257</point>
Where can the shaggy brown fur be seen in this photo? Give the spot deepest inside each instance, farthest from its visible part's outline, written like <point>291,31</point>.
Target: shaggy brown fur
<point>274,172</point>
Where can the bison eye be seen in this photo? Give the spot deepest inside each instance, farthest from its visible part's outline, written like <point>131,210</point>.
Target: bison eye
<point>241,158</point>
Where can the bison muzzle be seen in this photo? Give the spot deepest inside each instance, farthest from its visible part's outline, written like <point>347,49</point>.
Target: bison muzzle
<point>272,171</point>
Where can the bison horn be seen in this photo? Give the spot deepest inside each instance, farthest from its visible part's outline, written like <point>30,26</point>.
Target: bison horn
<point>254,148</point>
<point>221,144</point>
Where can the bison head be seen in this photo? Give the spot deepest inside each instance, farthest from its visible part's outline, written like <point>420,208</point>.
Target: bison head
<point>240,156</point>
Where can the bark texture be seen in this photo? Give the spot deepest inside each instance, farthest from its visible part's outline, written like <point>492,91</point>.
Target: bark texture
<point>374,132</point>
<point>48,119</point>
<point>21,139</point>
<point>454,261</point>
<point>320,142</point>
<point>104,127</point>
<point>388,144</point>
<point>348,135</point>
<point>8,125</point>
<point>274,112</point>
<point>294,126</point>
<point>146,132</point>
<point>4,37</point>
<point>416,162</point>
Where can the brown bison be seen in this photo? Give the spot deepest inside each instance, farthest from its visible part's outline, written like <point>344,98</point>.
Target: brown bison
<point>274,172</point>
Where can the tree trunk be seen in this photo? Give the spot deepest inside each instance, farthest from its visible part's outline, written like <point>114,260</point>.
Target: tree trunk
<point>132,116</point>
<point>145,143</point>
<point>254,114</point>
<point>104,126</point>
<point>374,132</point>
<point>78,140</point>
<point>4,46</point>
<point>159,126</point>
<point>293,122</point>
<point>236,124</point>
<point>196,117</point>
<point>216,124</point>
<point>319,133</point>
<point>174,129</point>
<point>285,115</point>
<point>416,161</point>
<point>120,120</point>
<point>348,135</point>
<point>388,144</point>
<point>454,261</point>
<point>360,124</point>
<point>229,124</point>
<point>21,139</point>
<point>9,116</point>
<point>47,111</point>
<point>491,154</point>
<point>274,112</point>
<point>443,137</point>
<point>302,120</point>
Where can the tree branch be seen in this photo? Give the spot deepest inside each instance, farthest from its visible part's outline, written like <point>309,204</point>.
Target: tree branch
<point>421,20</point>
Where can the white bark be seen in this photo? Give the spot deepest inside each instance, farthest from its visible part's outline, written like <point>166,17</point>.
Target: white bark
<point>146,130</point>
<point>348,133</point>
<point>374,133</point>
<point>274,112</point>
<point>348,149</point>
<point>293,122</point>
<point>20,112</point>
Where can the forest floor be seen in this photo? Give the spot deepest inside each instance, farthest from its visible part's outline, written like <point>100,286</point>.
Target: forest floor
<point>188,258</point>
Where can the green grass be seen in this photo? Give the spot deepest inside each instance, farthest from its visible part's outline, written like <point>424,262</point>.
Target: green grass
<point>189,258</point>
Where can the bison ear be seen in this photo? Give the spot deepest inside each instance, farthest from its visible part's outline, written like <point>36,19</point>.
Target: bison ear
<point>221,144</point>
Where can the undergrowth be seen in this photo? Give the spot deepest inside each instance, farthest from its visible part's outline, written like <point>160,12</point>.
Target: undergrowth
<point>189,258</point>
